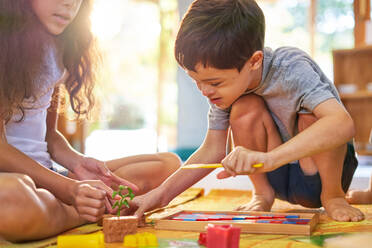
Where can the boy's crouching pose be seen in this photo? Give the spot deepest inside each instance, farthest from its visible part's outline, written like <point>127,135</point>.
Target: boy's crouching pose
<point>282,110</point>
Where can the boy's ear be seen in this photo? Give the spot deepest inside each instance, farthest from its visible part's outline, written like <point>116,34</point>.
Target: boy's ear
<point>255,61</point>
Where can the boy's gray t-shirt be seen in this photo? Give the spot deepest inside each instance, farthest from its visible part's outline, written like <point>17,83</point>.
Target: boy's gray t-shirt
<point>292,83</point>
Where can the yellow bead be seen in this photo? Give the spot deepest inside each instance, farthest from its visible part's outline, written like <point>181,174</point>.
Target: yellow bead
<point>130,240</point>
<point>94,240</point>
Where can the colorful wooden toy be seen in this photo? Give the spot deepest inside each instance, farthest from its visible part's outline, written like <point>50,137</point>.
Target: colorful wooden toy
<point>248,221</point>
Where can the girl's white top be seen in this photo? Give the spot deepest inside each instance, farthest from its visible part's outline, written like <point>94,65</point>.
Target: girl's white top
<point>28,135</point>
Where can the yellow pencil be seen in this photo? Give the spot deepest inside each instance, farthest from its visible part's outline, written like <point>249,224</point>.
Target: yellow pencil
<point>196,166</point>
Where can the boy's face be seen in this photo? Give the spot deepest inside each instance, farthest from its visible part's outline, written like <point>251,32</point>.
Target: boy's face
<point>56,15</point>
<point>224,86</point>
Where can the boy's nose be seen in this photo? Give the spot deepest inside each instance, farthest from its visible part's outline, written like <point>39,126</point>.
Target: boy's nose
<point>206,90</point>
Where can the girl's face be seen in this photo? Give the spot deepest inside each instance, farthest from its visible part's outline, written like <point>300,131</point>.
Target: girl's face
<point>56,15</point>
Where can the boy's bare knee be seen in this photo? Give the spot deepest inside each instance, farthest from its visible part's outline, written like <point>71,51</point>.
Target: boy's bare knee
<point>305,121</point>
<point>247,111</point>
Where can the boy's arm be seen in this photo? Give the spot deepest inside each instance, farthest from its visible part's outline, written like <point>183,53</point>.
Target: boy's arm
<point>213,150</point>
<point>333,128</point>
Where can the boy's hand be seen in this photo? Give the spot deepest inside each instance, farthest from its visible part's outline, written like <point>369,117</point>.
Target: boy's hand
<point>147,202</point>
<point>93,169</point>
<point>90,199</point>
<point>241,160</point>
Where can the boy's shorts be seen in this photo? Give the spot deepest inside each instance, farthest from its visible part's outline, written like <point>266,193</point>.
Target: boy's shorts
<point>290,183</point>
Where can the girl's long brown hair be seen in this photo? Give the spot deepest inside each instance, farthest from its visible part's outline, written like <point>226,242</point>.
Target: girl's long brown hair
<point>22,50</point>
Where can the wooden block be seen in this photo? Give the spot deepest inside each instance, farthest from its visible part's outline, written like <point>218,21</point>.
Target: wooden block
<point>115,228</point>
<point>299,224</point>
<point>100,221</point>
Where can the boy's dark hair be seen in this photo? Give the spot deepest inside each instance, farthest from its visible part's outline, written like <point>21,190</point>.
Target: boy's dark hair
<point>220,33</point>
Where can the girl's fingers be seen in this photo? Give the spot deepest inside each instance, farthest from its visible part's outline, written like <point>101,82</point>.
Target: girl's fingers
<point>104,170</point>
<point>108,206</point>
<point>90,202</point>
<point>116,179</point>
<point>120,181</point>
<point>106,189</point>
<point>94,213</point>
<point>91,191</point>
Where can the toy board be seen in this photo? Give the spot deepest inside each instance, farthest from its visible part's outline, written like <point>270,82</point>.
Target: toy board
<point>248,221</point>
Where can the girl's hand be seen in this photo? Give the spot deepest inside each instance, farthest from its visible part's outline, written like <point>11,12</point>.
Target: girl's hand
<point>241,160</point>
<point>93,169</point>
<point>91,199</point>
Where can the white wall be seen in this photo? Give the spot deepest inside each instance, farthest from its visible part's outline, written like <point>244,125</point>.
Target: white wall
<point>192,106</point>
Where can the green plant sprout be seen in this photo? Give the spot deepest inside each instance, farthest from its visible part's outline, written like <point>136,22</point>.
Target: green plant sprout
<point>123,201</point>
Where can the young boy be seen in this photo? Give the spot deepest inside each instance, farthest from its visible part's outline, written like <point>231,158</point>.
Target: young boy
<point>282,111</point>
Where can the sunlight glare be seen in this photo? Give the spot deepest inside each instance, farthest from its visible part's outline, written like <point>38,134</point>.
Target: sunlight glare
<point>107,18</point>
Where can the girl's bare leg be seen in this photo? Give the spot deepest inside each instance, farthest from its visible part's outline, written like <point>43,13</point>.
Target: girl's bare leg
<point>360,196</point>
<point>146,171</point>
<point>29,213</point>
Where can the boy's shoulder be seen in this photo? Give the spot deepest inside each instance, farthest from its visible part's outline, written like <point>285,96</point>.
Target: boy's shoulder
<point>288,55</point>
<point>290,61</point>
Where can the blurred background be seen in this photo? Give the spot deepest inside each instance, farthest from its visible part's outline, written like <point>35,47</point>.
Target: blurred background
<point>149,104</point>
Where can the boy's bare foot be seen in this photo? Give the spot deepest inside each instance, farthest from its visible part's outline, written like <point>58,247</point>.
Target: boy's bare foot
<point>359,196</point>
<point>339,210</point>
<point>258,203</point>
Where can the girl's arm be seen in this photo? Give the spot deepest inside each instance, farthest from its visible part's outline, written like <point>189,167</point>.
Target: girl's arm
<point>58,147</point>
<point>88,197</point>
<point>82,167</point>
<point>13,160</point>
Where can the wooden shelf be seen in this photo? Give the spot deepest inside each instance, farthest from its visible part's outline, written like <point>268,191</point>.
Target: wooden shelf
<point>365,152</point>
<point>361,94</point>
<point>356,51</point>
<point>353,67</point>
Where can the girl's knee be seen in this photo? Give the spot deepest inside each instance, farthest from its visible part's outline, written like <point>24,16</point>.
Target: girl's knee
<point>171,161</point>
<point>23,211</point>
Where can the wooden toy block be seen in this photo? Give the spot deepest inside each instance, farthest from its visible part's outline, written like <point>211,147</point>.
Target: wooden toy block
<point>95,240</point>
<point>115,228</point>
<point>248,221</point>
<point>100,221</point>
<point>223,236</point>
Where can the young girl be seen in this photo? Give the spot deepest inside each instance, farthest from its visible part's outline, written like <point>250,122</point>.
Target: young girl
<point>44,44</point>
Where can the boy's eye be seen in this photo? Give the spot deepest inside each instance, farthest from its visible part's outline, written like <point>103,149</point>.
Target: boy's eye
<point>215,84</point>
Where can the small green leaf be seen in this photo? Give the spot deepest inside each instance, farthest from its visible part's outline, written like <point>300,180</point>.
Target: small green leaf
<point>116,204</point>
<point>114,194</point>
<point>121,187</point>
